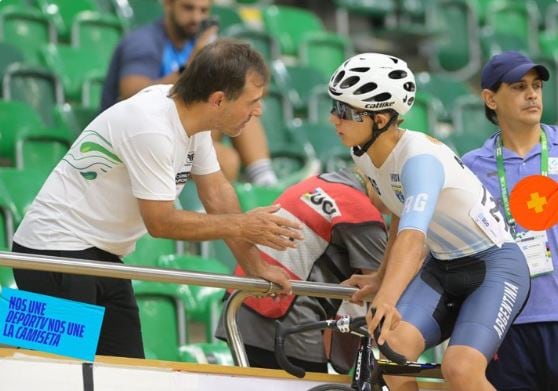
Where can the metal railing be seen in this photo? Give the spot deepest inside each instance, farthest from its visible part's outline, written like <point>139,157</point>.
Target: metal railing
<point>247,286</point>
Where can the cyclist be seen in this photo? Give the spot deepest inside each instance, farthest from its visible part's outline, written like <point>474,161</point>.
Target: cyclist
<point>474,279</point>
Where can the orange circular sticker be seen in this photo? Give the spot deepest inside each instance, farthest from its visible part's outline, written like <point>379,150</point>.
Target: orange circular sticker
<point>534,202</point>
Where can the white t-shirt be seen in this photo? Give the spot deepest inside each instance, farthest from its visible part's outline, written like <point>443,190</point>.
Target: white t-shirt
<point>427,186</point>
<point>138,148</point>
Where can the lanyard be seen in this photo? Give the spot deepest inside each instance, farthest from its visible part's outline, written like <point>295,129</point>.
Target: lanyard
<point>502,174</point>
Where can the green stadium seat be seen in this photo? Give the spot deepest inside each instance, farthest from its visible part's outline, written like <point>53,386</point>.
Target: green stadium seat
<point>163,325</point>
<point>98,33</point>
<point>9,54</point>
<point>410,22</point>
<point>444,87</point>
<point>481,9</point>
<point>548,43</point>
<point>37,86</point>
<point>141,12</point>
<point>217,352</point>
<point>251,196</point>
<point>329,149</point>
<point>424,114</point>
<point>8,212</point>
<point>108,7</point>
<point>74,118</point>
<point>260,40</point>
<point>470,126</point>
<point>324,51</point>
<point>515,18</point>
<point>228,16</point>
<point>27,29</point>
<point>20,193</point>
<point>189,199</point>
<point>63,13</point>
<point>493,42</point>
<point>544,6</point>
<point>290,25</point>
<point>297,82</point>
<point>26,142</point>
<point>16,3</point>
<point>457,50</point>
<point>369,8</point>
<point>92,90</point>
<point>277,113</point>
<point>7,278</point>
<point>218,249</point>
<point>550,90</point>
<point>292,156</point>
<point>4,242</point>
<point>7,228</point>
<point>15,117</point>
<point>253,2</point>
<point>294,161</point>
<point>74,66</point>
<point>319,104</point>
<point>208,301</point>
<point>551,18</point>
<point>41,148</point>
<point>149,249</point>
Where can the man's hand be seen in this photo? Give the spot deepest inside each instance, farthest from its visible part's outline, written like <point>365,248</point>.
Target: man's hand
<point>270,273</point>
<point>368,286</point>
<point>262,226</point>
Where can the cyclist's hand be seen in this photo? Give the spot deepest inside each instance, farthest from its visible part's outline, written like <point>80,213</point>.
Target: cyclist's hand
<point>368,286</point>
<point>386,315</point>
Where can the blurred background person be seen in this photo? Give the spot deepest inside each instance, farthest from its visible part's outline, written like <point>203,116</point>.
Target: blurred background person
<point>157,53</point>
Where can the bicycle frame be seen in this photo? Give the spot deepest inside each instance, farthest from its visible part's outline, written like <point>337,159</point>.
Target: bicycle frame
<point>369,371</point>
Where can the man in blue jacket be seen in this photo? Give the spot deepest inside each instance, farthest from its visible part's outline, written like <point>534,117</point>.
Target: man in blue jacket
<point>512,91</point>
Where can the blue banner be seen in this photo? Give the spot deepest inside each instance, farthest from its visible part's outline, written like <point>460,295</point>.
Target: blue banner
<point>50,324</point>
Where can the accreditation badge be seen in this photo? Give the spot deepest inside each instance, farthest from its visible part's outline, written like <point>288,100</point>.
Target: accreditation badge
<point>553,165</point>
<point>534,245</point>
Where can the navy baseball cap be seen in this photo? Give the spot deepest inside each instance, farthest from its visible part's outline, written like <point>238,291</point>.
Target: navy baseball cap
<point>509,67</point>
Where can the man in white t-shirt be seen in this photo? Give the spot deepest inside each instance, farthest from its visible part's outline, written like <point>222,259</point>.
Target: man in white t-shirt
<point>122,175</point>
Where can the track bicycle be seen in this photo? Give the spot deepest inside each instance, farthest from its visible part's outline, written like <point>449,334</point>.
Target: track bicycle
<point>369,371</point>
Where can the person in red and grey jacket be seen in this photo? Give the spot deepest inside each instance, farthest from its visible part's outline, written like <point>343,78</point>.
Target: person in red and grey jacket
<point>344,234</point>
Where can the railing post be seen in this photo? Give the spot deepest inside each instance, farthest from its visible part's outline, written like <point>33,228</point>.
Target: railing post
<point>233,336</point>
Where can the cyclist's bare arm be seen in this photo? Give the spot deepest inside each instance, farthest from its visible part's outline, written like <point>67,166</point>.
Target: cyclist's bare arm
<point>369,285</point>
<point>404,261</point>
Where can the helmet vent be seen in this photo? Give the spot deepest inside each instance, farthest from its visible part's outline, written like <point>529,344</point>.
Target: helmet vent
<point>360,69</point>
<point>397,74</point>
<point>380,97</point>
<point>366,88</point>
<point>409,86</point>
<point>394,59</point>
<point>350,81</point>
<point>338,78</point>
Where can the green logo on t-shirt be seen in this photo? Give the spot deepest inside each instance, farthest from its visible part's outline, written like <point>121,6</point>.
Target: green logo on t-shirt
<point>91,155</point>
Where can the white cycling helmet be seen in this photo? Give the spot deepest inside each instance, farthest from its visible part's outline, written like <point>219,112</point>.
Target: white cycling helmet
<point>374,82</point>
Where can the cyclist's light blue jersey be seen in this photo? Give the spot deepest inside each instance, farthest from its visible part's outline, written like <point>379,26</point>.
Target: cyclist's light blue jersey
<point>427,186</point>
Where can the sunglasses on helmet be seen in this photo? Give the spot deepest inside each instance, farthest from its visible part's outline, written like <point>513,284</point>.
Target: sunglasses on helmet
<point>344,111</point>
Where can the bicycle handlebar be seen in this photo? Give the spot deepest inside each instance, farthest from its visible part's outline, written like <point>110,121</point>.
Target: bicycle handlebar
<point>343,325</point>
